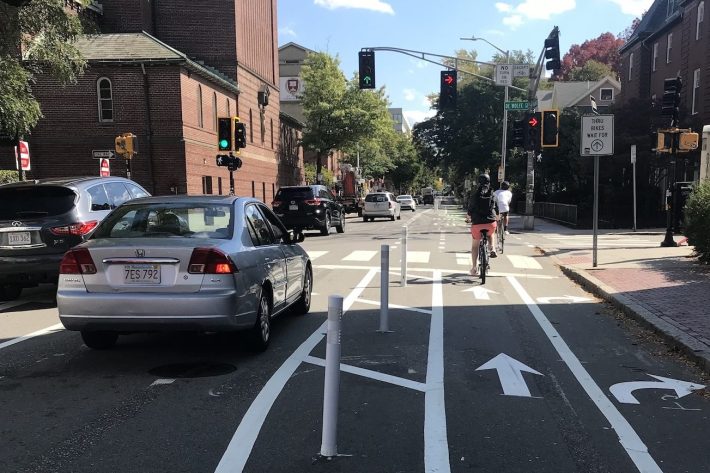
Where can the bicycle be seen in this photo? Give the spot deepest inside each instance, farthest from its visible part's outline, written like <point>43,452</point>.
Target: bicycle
<point>501,233</point>
<point>483,256</point>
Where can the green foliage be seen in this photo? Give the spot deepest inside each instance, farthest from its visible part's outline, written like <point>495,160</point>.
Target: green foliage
<point>310,174</point>
<point>7,176</point>
<point>44,32</point>
<point>697,221</point>
<point>592,71</point>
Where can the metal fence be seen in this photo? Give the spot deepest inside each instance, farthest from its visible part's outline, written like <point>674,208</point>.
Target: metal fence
<point>560,212</point>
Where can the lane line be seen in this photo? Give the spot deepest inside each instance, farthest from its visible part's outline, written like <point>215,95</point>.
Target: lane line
<point>523,262</point>
<point>376,375</point>
<point>629,439</point>
<point>237,454</point>
<point>162,381</point>
<point>395,306</point>
<point>445,271</point>
<point>315,254</point>
<point>436,444</point>
<point>418,257</point>
<point>44,331</point>
<point>360,255</point>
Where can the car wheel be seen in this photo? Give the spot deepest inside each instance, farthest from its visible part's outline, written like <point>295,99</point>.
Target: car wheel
<point>325,229</point>
<point>399,215</point>
<point>261,331</point>
<point>340,227</point>
<point>303,305</point>
<point>414,210</point>
<point>392,217</point>
<point>99,340</point>
<point>364,219</point>
<point>10,293</point>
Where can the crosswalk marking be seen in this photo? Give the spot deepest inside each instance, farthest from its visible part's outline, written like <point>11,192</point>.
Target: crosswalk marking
<point>463,259</point>
<point>316,254</point>
<point>360,255</point>
<point>418,256</point>
<point>524,262</point>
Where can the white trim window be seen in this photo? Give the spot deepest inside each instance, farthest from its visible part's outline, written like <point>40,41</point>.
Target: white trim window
<point>104,95</point>
<point>214,109</point>
<point>696,90</point>
<point>655,57</point>
<point>200,116</point>
<point>631,65</point>
<point>606,95</point>
<point>669,48</point>
<point>699,21</point>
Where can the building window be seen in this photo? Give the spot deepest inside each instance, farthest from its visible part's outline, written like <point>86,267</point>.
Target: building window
<point>672,7</point>
<point>105,97</point>
<point>696,90</point>
<point>631,65</point>
<point>655,56</point>
<point>272,133</point>
<point>263,191</point>
<point>219,185</point>
<point>669,47</point>
<point>229,111</point>
<point>273,190</point>
<point>207,185</point>
<point>606,94</point>
<point>253,191</point>
<point>200,118</point>
<point>214,109</point>
<point>699,21</point>
<point>251,128</point>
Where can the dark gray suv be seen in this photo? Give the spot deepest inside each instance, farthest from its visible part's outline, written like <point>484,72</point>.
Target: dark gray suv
<point>40,220</point>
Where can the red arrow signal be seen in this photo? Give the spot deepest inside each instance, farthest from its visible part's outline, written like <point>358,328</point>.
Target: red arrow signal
<point>533,122</point>
<point>449,79</point>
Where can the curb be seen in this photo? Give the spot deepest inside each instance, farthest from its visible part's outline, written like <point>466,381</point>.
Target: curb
<point>698,351</point>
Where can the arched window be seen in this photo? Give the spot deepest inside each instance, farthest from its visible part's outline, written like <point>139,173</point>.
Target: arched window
<point>214,110</point>
<point>699,21</point>
<point>229,111</point>
<point>200,117</point>
<point>104,94</point>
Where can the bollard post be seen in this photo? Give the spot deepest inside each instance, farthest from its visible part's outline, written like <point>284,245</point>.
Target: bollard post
<point>436,203</point>
<point>403,271</point>
<point>384,288</point>
<point>331,386</point>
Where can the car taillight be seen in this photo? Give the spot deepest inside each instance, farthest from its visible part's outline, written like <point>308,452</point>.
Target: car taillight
<point>210,261</point>
<point>79,229</point>
<point>276,203</point>
<point>315,201</point>
<point>77,261</point>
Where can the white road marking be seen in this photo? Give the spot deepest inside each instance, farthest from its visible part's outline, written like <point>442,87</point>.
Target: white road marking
<point>160,382</point>
<point>239,448</point>
<point>523,262</point>
<point>623,391</point>
<point>567,299</point>
<point>418,256</point>
<point>436,444</point>
<point>385,378</point>
<point>629,439</point>
<point>481,293</point>
<point>44,331</point>
<point>510,373</point>
<point>395,306</point>
<point>316,254</point>
<point>442,270</point>
<point>464,259</point>
<point>360,255</point>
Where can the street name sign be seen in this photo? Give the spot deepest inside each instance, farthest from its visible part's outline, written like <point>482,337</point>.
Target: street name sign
<point>516,105</point>
<point>597,135</point>
<point>103,154</point>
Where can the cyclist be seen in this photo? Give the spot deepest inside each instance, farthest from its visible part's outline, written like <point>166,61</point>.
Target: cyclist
<point>482,215</point>
<point>503,197</point>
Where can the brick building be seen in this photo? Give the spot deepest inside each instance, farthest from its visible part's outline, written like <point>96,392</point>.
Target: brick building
<point>164,71</point>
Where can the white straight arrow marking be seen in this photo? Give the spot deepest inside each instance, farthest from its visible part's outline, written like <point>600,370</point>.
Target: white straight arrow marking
<point>568,299</point>
<point>510,372</point>
<point>481,293</point>
<point>623,391</point>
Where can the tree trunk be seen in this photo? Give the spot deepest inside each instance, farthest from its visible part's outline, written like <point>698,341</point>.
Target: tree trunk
<point>319,166</point>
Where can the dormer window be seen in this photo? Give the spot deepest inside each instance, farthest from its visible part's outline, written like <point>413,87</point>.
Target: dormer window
<point>672,7</point>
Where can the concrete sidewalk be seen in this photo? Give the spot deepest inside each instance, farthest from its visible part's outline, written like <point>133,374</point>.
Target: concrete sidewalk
<point>664,288</point>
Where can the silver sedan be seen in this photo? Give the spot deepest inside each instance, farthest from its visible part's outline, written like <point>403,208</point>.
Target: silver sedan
<point>184,263</point>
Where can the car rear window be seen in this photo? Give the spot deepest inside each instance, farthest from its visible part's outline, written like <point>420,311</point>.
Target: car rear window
<point>404,197</point>
<point>160,220</point>
<point>294,193</point>
<point>376,198</point>
<point>35,202</point>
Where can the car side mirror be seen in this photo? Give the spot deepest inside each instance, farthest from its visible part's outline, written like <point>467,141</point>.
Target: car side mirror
<point>292,237</point>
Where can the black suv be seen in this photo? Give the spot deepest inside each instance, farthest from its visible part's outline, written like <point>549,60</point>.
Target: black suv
<point>40,220</point>
<point>309,208</point>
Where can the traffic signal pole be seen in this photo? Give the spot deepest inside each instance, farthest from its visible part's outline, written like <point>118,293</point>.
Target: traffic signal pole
<point>529,217</point>
<point>504,147</point>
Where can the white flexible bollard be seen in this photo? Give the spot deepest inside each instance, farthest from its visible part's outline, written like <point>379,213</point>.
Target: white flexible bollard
<point>331,386</point>
<point>403,270</point>
<point>384,288</point>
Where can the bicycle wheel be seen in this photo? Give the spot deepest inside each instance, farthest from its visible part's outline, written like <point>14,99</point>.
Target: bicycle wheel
<point>483,259</point>
<point>501,236</point>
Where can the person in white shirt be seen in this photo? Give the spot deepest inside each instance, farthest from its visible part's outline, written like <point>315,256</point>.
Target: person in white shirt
<point>503,197</point>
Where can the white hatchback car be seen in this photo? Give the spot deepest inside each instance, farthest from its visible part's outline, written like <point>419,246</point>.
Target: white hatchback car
<point>407,202</point>
<point>381,204</point>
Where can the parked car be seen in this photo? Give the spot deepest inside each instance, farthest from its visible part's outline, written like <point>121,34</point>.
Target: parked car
<point>407,202</point>
<point>309,208</point>
<point>381,204</point>
<point>184,263</point>
<point>40,220</point>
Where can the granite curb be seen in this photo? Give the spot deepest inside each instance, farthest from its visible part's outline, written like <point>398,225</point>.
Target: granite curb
<point>695,349</point>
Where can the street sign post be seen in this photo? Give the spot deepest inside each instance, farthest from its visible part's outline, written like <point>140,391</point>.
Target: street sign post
<point>633,168</point>
<point>516,105</point>
<point>103,154</point>
<point>104,168</point>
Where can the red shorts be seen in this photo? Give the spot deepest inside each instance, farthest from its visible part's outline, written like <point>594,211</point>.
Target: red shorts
<point>476,229</point>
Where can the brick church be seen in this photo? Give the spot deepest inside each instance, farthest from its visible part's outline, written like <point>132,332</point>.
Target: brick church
<point>164,70</point>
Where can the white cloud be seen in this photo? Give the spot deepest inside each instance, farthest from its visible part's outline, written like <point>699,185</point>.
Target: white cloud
<point>409,94</point>
<point>494,33</point>
<point>535,10</point>
<point>426,102</point>
<point>633,7</point>
<point>374,5</point>
<point>513,21</point>
<point>504,7</point>
<point>287,31</point>
<point>419,63</point>
<point>416,116</point>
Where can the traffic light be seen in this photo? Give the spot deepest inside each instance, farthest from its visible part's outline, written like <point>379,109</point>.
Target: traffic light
<point>125,145</point>
<point>532,138</point>
<point>225,136</point>
<point>518,134</point>
<point>447,95</point>
<point>671,98</point>
<point>552,50</point>
<point>240,134</point>
<point>366,61</point>
<point>550,128</point>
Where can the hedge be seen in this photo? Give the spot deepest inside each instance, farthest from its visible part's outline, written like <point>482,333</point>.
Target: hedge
<point>697,221</point>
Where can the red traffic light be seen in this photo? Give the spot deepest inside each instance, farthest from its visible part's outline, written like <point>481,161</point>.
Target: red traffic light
<point>533,122</point>
<point>448,79</point>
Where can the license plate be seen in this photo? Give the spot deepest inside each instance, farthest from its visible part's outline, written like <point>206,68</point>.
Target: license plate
<point>19,238</point>
<point>293,207</point>
<point>141,274</point>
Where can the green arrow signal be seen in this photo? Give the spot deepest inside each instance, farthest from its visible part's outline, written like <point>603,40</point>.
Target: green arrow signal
<point>367,80</point>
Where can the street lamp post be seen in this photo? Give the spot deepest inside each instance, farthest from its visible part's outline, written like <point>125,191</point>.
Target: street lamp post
<point>504,141</point>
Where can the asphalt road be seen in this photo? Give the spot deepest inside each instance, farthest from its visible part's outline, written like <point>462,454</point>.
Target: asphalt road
<point>528,373</point>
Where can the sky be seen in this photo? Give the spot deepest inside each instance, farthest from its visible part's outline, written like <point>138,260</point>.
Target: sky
<point>343,27</point>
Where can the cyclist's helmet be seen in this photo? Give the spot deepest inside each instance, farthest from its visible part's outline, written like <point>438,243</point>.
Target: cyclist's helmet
<point>484,180</point>
<point>505,185</point>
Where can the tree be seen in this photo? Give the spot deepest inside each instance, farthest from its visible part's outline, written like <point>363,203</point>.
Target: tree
<point>603,49</point>
<point>592,71</point>
<point>36,38</point>
<point>338,114</point>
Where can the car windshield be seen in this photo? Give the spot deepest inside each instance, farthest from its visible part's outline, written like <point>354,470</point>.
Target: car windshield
<point>146,220</point>
<point>376,198</point>
<point>35,202</point>
<point>294,193</point>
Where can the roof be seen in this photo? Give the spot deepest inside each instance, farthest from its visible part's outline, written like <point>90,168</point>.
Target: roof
<point>605,80</point>
<point>653,22</point>
<point>142,48</point>
<point>567,94</point>
<point>295,45</point>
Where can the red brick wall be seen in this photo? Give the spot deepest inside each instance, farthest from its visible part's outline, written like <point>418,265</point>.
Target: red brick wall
<point>126,16</point>
<point>257,41</point>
